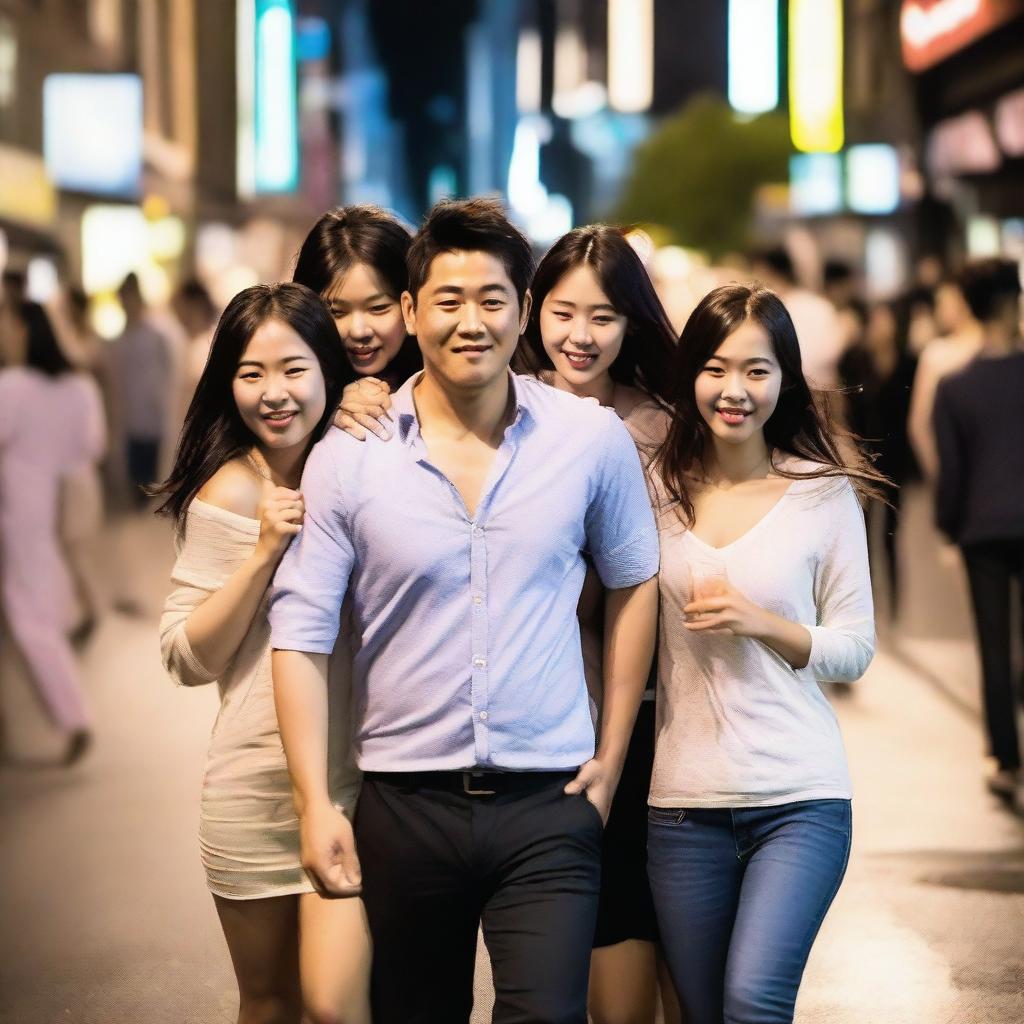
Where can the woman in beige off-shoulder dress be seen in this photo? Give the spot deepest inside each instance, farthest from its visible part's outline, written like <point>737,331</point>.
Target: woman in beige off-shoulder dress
<point>272,381</point>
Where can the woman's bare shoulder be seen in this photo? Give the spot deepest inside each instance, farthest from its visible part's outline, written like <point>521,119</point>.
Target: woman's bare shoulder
<point>235,487</point>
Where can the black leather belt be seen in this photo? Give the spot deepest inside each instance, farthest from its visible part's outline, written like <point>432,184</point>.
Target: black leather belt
<point>472,783</point>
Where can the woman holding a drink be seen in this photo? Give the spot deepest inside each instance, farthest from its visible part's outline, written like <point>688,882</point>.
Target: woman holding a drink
<point>765,592</point>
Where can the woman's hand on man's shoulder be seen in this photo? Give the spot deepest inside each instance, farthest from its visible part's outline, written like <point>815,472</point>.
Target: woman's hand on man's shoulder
<point>365,406</point>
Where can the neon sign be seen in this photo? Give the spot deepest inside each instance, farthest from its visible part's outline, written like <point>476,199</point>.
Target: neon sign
<point>932,30</point>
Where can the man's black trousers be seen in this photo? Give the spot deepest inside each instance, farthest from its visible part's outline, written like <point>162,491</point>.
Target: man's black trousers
<point>438,862</point>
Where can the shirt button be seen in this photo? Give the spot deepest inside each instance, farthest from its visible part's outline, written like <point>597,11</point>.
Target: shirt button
<point>483,716</point>
<point>477,599</point>
<point>478,531</point>
<point>480,662</point>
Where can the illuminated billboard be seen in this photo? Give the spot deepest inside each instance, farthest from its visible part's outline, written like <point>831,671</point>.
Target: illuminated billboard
<point>816,75</point>
<point>932,30</point>
<point>753,55</point>
<point>92,132</point>
<point>630,54</point>
<point>872,178</point>
<point>267,98</point>
<point>815,183</point>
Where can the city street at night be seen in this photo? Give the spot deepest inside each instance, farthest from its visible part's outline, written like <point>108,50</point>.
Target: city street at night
<point>667,641</point>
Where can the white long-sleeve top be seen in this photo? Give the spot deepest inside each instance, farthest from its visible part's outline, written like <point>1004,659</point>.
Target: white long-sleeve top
<point>737,726</point>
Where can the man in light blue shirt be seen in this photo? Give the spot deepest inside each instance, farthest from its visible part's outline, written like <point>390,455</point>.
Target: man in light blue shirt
<point>461,542</point>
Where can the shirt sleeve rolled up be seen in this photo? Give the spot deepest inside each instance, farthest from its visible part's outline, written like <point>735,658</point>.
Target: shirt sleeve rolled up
<point>310,583</point>
<point>621,534</point>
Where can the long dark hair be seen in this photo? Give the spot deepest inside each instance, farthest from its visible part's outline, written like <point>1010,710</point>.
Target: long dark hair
<point>801,424</point>
<point>646,358</point>
<point>214,433</point>
<point>42,350</point>
<point>348,235</point>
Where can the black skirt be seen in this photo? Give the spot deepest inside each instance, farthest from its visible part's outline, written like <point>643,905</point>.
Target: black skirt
<point>626,910</point>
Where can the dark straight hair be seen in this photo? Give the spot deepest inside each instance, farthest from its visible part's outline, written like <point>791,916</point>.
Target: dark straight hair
<point>988,286</point>
<point>470,225</point>
<point>214,433</point>
<point>648,348</point>
<point>42,349</point>
<point>800,425</point>
<point>346,236</point>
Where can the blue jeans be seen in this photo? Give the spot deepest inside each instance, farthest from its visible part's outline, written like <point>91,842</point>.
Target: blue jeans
<point>740,895</point>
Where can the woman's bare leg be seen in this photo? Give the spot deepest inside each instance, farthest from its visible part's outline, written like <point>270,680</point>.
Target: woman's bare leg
<point>262,938</point>
<point>624,983</point>
<point>671,1011</point>
<point>335,954</point>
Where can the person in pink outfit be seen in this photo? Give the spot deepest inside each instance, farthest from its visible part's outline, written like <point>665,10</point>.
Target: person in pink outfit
<point>51,425</point>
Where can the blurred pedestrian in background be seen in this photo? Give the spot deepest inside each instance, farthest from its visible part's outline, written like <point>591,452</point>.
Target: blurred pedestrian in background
<point>82,502</point>
<point>814,317</point>
<point>143,373</point>
<point>843,290</point>
<point>197,315</point>
<point>51,426</point>
<point>267,394</point>
<point>878,369</point>
<point>958,342</point>
<point>12,289</point>
<point>979,429</point>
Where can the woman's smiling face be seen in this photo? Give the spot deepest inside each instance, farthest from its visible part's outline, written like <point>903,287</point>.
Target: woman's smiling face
<point>581,329</point>
<point>279,387</point>
<point>368,318</point>
<point>738,387</point>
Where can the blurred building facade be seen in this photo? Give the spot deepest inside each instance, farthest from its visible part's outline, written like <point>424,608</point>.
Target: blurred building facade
<point>968,72</point>
<point>174,137</point>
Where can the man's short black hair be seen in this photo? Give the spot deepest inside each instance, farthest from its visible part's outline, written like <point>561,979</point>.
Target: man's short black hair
<point>470,225</point>
<point>988,285</point>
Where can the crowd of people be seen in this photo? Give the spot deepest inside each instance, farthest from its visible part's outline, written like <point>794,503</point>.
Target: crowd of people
<point>523,606</point>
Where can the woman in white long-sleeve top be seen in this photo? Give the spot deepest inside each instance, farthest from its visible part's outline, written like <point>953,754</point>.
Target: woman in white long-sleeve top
<point>51,426</point>
<point>271,383</point>
<point>765,593</point>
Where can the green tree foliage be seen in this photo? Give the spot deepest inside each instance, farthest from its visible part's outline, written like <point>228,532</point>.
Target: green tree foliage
<point>696,175</point>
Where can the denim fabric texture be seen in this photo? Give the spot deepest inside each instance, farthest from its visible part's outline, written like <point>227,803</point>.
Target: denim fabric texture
<point>740,895</point>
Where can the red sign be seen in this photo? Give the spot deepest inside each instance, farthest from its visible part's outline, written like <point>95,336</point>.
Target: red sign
<point>932,30</point>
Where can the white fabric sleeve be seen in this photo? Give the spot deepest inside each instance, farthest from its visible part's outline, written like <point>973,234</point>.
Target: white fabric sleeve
<point>843,639</point>
<point>209,554</point>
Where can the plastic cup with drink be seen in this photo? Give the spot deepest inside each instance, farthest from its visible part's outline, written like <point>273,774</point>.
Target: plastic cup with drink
<point>708,578</point>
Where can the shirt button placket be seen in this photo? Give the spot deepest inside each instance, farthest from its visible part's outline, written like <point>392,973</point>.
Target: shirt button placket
<point>478,590</point>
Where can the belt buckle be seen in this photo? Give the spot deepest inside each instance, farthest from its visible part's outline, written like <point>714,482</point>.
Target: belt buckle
<point>467,785</point>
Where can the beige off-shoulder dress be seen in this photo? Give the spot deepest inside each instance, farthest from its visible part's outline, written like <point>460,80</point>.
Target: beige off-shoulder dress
<point>248,829</point>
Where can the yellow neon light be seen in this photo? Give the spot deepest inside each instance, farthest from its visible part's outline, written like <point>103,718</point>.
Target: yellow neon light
<point>816,75</point>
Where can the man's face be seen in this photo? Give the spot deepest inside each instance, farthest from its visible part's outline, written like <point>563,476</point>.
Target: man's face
<point>466,318</point>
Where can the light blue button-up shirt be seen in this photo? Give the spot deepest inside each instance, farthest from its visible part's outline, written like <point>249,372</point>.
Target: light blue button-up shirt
<point>466,646</point>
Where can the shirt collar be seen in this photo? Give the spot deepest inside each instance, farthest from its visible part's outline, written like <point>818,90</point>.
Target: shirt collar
<point>405,408</point>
